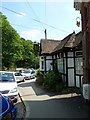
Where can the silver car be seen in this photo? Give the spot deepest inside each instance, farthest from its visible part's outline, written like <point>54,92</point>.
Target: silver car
<point>26,73</point>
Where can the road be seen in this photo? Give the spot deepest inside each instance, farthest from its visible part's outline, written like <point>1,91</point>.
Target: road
<point>41,104</point>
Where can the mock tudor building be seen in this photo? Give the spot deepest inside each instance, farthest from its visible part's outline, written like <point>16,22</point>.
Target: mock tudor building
<point>65,56</point>
<point>46,48</point>
<point>69,59</point>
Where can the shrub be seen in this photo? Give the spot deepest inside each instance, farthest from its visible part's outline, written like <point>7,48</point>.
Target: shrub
<point>40,77</point>
<point>38,71</point>
<point>53,81</point>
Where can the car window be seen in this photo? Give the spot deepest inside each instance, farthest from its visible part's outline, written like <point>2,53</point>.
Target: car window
<point>26,71</point>
<point>4,76</point>
<point>32,72</point>
<point>18,74</point>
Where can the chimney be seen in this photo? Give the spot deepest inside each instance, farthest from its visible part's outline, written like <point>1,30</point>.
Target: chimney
<point>45,34</point>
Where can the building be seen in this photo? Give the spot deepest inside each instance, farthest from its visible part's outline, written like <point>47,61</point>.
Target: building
<point>46,48</point>
<point>84,7</point>
<point>65,56</point>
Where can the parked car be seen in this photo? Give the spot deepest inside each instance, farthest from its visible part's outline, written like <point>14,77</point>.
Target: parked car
<point>26,73</point>
<point>19,77</point>
<point>7,108</point>
<point>8,84</point>
<point>34,73</point>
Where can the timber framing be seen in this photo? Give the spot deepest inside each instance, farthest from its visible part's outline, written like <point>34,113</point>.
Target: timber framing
<point>66,57</point>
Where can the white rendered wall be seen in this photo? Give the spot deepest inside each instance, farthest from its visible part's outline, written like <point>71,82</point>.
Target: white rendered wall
<point>48,63</point>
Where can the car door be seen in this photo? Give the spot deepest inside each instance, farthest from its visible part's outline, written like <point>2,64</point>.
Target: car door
<point>19,77</point>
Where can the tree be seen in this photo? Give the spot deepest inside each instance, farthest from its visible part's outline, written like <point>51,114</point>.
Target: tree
<point>29,58</point>
<point>10,44</point>
<point>16,51</point>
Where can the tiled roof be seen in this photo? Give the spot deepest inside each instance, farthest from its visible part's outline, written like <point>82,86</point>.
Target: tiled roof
<point>47,46</point>
<point>74,40</point>
<point>78,39</point>
<point>51,46</point>
<point>71,41</point>
<point>62,43</point>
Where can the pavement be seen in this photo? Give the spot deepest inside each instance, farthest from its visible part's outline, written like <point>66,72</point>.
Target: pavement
<point>38,100</point>
<point>21,109</point>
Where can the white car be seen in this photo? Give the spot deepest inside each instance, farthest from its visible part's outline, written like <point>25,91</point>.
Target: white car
<point>19,77</point>
<point>8,84</point>
<point>26,73</point>
<point>34,73</point>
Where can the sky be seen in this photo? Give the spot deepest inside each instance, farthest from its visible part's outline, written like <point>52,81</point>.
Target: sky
<point>30,18</point>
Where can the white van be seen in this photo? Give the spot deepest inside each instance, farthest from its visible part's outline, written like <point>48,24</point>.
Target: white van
<point>8,84</point>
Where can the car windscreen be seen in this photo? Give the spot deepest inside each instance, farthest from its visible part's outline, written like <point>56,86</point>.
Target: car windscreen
<point>26,71</point>
<point>5,76</point>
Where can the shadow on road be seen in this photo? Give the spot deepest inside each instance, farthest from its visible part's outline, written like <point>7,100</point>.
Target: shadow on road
<point>58,108</point>
<point>41,91</point>
<point>38,91</point>
<point>53,107</point>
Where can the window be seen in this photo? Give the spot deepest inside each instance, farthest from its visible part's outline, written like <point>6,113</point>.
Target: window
<point>62,55</point>
<point>79,53</point>
<point>60,65</point>
<point>70,54</point>
<point>18,74</point>
<point>5,76</point>
<point>79,65</point>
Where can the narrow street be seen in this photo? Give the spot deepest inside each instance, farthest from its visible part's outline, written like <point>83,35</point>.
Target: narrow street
<point>50,40</point>
<point>41,104</point>
<point>20,109</point>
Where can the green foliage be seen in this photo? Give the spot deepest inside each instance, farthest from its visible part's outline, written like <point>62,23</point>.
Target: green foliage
<point>53,81</point>
<point>16,51</point>
<point>36,48</point>
<point>38,71</point>
<point>29,58</point>
<point>40,77</point>
<point>10,39</point>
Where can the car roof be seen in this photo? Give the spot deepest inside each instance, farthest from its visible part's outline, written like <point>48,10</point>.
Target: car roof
<point>6,72</point>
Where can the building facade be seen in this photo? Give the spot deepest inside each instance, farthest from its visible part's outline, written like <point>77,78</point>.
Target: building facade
<point>66,57</point>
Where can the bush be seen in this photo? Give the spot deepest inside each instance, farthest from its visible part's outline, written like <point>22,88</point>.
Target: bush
<point>40,77</point>
<point>53,81</point>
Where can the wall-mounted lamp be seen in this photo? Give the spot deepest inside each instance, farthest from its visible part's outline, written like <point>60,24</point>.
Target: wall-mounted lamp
<point>78,19</point>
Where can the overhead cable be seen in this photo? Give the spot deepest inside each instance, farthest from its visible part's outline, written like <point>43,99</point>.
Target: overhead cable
<point>35,20</point>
